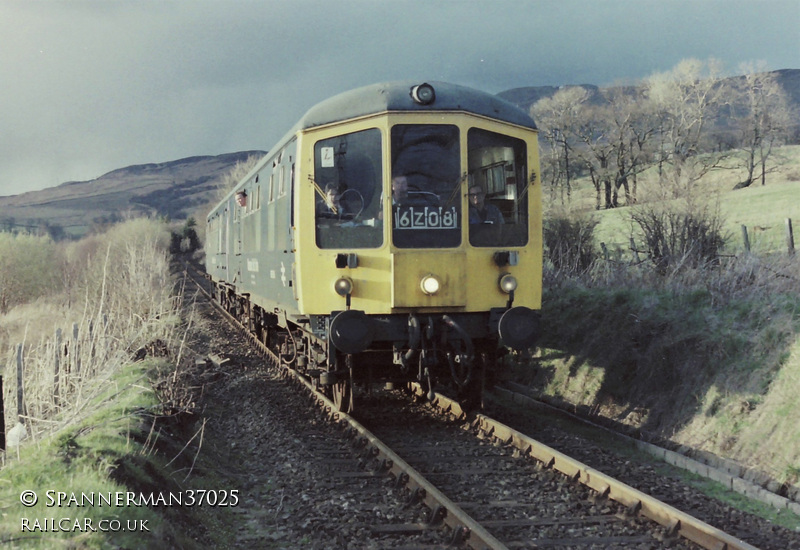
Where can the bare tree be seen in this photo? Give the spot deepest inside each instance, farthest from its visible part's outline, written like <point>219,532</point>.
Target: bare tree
<point>686,101</point>
<point>764,117</point>
<point>596,152</point>
<point>557,117</point>
<point>615,134</point>
<point>629,127</point>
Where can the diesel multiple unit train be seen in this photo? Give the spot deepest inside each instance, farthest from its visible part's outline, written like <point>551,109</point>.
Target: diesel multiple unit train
<point>393,234</point>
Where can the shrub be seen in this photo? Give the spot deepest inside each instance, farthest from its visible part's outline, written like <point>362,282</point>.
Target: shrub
<point>186,240</point>
<point>569,243</point>
<point>30,267</point>
<point>676,238</point>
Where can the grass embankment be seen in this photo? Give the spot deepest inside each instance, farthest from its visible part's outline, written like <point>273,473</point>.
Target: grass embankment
<point>117,424</point>
<point>124,476</point>
<point>82,460</point>
<point>705,374</point>
<point>708,357</point>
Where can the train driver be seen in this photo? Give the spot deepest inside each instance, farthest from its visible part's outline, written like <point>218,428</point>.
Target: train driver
<point>479,210</point>
<point>399,189</point>
<point>331,204</point>
<point>399,193</point>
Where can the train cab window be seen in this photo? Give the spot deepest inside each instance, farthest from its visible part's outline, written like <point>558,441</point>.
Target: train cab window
<point>426,200</point>
<point>497,189</point>
<point>347,180</point>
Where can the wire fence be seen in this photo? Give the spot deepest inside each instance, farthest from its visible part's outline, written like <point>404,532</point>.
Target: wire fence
<point>50,375</point>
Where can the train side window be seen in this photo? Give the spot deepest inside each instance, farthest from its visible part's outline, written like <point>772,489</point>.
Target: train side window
<point>347,180</point>
<point>222,223</point>
<point>271,188</point>
<point>281,180</point>
<point>497,189</point>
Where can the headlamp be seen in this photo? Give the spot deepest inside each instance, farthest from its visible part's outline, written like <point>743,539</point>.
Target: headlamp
<point>423,94</point>
<point>508,283</point>
<point>430,285</point>
<point>343,286</point>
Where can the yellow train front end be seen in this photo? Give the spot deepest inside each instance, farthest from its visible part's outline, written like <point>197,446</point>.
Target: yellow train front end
<point>417,236</point>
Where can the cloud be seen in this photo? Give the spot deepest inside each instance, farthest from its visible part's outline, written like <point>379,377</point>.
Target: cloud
<point>91,86</point>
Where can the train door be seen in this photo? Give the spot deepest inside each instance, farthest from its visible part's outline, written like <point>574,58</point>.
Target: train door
<point>225,243</point>
<point>236,276</point>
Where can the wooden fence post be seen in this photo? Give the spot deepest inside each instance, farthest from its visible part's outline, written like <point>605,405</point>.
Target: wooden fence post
<point>745,238</point>
<point>2,419</point>
<point>20,401</point>
<point>789,236</point>
<point>75,350</point>
<point>57,358</point>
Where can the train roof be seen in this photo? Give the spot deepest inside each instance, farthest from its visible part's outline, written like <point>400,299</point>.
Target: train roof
<point>397,96</point>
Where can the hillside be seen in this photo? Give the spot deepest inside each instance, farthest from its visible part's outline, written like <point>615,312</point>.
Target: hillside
<point>525,97</point>
<point>174,189</point>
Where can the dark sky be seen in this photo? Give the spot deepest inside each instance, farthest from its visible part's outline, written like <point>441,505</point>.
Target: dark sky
<point>91,86</point>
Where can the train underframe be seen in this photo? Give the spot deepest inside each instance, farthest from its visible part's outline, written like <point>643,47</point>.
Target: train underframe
<point>457,352</point>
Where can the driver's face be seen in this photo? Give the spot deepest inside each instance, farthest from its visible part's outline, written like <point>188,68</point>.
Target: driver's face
<point>476,197</point>
<point>400,188</point>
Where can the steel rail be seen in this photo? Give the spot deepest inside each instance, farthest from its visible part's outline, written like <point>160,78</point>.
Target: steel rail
<point>676,521</point>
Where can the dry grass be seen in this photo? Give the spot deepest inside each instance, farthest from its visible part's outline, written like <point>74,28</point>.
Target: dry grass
<point>127,301</point>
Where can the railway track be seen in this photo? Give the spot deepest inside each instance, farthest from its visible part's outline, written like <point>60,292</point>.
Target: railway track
<point>432,479</point>
<point>529,494</point>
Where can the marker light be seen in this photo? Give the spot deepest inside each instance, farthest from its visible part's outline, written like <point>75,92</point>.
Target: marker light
<point>343,286</point>
<point>430,285</point>
<point>423,94</point>
<point>508,283</point>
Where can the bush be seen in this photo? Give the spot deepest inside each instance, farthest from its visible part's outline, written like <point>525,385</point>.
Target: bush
<point>185,241</point>
<point>569,244</point>
<point>30,267</point>
<point>128,274</point>
<point>674,239</point>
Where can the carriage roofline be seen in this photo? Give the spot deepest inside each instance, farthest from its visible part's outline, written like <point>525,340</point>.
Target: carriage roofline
<point>395,97</point>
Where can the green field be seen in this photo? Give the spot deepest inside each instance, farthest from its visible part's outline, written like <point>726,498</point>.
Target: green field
<point>762,209</point>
